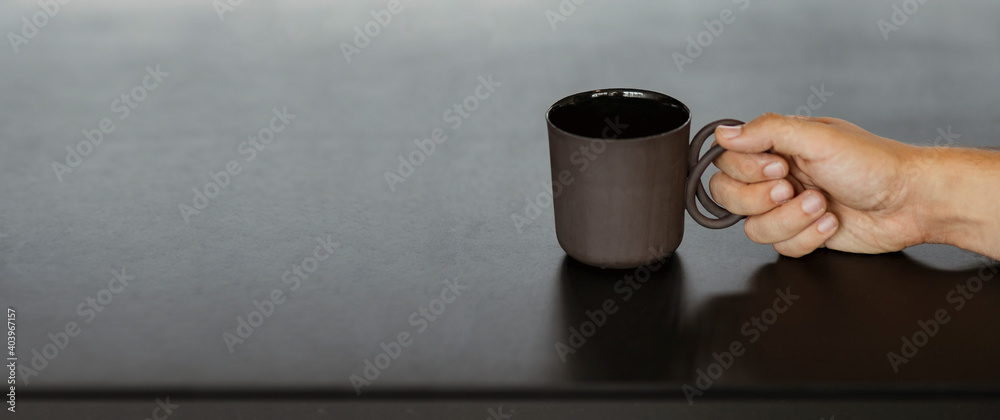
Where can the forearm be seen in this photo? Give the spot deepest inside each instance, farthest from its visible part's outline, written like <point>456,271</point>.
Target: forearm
<point>960,198</point>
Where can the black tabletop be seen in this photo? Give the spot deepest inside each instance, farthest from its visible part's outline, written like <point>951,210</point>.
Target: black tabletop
<point>204,198</point>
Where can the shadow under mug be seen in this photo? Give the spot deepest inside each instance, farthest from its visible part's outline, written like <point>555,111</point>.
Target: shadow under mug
<point>623,173</point>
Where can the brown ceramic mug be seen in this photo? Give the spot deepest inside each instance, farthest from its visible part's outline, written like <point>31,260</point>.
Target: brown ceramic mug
<point>623,173</point>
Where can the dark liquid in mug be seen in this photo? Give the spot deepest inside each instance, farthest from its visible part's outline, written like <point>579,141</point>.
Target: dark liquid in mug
<point>592,117</point>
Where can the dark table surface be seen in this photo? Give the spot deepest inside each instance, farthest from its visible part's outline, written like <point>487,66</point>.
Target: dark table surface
<point>323,176</point>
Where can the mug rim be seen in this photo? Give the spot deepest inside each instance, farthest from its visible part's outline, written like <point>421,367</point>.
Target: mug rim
<point>609,92</point>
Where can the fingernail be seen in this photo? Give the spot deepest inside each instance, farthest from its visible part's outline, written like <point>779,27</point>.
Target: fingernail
<point>812,203</point>
<point>781,192</point>
<point>774,170</point>
<point>730,131</point>
<point>827,223</point>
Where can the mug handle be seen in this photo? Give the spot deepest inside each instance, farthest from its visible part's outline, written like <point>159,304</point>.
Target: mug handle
<point>696,167</point>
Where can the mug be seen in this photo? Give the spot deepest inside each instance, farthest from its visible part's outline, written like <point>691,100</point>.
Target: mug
<point>623,173</point>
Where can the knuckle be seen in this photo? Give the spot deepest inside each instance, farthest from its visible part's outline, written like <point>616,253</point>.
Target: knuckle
<point>724,191</point>
<point>737,165</point>
<point>784,223</point>
<point>790,250</point>
<point>789,225</point>
<point>722,162</point>
<point>752,228</point>
<point>771,118</point>
<point>777,124</point>
<point>767,116</point>
<point>718,186</point>
<point>825,129</point>
<point>748,167</point>
<point>744,167</point>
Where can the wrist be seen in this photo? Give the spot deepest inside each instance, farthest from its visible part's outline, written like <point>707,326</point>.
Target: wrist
<point>949,196</point>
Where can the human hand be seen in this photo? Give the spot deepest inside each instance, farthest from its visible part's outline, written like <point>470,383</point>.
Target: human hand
<point>826,182</point>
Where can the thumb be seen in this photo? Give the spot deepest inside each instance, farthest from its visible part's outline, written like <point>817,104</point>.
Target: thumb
<point>787,135</point>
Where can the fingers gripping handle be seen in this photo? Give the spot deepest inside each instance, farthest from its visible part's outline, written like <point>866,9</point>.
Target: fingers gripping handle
<point>695,188</point>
